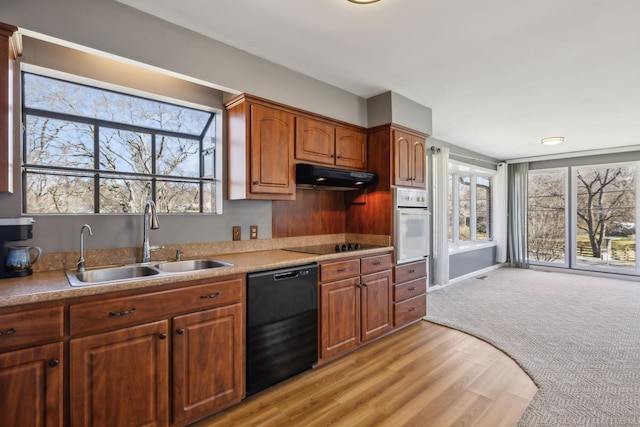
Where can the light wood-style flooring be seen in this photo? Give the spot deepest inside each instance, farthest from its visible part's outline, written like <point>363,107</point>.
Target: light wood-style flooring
<point>423,375</point>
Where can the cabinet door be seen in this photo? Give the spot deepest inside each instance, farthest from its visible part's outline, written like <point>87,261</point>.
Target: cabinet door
<point>31,387</point>
<point>377,304</point>
<point>208,364</point>
<point>419,161</point>
<point>402,152</point>
<point>315,141</point>
<point>351,148</point>
<point>272,135</point>
<point>340,314</point>
<point>120,378</point>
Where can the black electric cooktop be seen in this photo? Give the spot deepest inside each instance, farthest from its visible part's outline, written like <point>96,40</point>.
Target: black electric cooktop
<point>332,248</point>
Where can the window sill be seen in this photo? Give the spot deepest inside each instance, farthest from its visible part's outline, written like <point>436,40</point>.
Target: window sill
<point>456,248</point>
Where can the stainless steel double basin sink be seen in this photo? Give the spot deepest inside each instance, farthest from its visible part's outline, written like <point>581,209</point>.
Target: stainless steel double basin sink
<point>138,271</point>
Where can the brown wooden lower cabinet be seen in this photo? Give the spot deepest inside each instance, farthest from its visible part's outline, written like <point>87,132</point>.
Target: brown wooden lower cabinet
<point>157,358</point>
<point>208,362</point>
<point>121,378</point>
<point>410,293</point>
<point>357,307</point>
<point>31,387</point>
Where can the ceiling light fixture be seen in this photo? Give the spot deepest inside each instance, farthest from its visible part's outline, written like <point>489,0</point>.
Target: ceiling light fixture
<point>363,1</point>
<point>553,140</point>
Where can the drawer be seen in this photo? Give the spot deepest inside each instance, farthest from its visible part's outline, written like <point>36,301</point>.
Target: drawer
<point>406,290</point>
<point>413,270</point>
<point>117,312</point>
<point>376,263</point>
<point>410,310</point>
<point>31,326</point>
<point>338,270</point>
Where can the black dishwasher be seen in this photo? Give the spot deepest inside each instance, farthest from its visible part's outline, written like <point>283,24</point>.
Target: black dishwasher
<point>282,324</point>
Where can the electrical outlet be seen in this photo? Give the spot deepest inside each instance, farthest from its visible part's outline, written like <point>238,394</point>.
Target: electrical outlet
<point>236,232</point>
<point>253,232</point>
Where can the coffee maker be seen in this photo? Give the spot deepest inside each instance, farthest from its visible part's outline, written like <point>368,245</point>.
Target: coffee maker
<point>12,230</point>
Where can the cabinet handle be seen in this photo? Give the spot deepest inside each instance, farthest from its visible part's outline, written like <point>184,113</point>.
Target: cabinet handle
<point>377,263</point>
<point>53,363</point>
<point>359,286</point>
<point>364,284</point>
<point>341,270</point>
<point>122,313</point>
<point>413,288</point>
<point>216,295</point>
<point>256,182</point>
<point>339,157</point>
<point>9,332</point>
<point>412,309</point>
<point>411,271</point>
<point>180,331</point>
<point>162,336</point>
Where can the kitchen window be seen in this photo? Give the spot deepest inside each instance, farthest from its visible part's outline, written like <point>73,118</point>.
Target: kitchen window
<point>87,149</point>
<point>470,205</point>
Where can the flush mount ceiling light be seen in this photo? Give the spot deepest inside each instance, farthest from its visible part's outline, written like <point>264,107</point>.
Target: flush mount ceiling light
<point>553,140</point>
<point>363,1</point>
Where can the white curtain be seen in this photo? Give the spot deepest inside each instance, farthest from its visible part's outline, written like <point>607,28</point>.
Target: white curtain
<point>500,212</point>
<point>441,216</point>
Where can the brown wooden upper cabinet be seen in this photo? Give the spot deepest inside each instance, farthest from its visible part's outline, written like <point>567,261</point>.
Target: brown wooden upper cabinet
<point>9,50</point>
<point>333,145</point>
<point>410,157</point>
<point>260,151</point>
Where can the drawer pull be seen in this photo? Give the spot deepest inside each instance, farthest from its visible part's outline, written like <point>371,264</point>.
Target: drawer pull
<point>122,313</point>
<point>412,309</point>
<point>216,295</point>
<point>342,270</point>
<point>162,336</point>
<point>180,331</point>
<point>411,271</point>
<point>413,288</point>
<point>53,363</point>
<point>9,332</point>
<point>377,263</point>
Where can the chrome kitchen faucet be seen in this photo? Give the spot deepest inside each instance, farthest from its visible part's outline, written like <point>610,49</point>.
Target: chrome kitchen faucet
<point>150,220</point>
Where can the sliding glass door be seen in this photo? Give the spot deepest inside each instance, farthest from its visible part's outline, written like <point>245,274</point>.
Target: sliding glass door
<point>593,229</point>
<point>605,216</point>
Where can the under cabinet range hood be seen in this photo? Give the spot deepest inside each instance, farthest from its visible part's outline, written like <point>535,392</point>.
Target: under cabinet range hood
<point>324,178</point>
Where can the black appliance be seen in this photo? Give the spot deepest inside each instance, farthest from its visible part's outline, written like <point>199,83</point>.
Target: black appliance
<point>282,324</point>
<point>12,230</point>
<point>324,178</point>
<point>330,248</point>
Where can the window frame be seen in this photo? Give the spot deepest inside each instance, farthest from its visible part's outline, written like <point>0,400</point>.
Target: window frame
<point>456,170</point>
<point>96,173</point>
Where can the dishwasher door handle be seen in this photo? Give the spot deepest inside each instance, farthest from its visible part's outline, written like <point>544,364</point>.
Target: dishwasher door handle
<point>285,275</point>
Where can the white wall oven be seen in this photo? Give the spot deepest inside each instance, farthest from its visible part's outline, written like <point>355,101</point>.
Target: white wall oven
<point>411,224</point>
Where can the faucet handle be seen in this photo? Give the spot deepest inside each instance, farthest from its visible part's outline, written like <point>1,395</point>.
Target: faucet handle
<point>179,255</point>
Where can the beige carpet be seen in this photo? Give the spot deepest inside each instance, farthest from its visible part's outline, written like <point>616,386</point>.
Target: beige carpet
<point>578,337</point>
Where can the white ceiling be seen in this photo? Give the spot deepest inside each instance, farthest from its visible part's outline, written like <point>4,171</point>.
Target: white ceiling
<point>498,74</point>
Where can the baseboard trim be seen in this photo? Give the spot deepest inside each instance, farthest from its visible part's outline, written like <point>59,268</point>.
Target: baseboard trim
<point>468,276</point>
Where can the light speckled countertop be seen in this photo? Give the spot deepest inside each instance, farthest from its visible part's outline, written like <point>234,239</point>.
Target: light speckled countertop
<point>54,286</point>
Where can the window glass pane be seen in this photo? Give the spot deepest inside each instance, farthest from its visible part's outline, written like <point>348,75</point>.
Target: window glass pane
<point>175,196</point>
<point>125,151</point>
<point>60,143</point>
<point>124,194</point>
<point>464,209</point>
<point>142,144</point>
<point>44,93</point>
<point>546,216</point>
<point>57,193</point>
<point>177,156</point>
<point>483,207</point>
<point>606,217</point>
